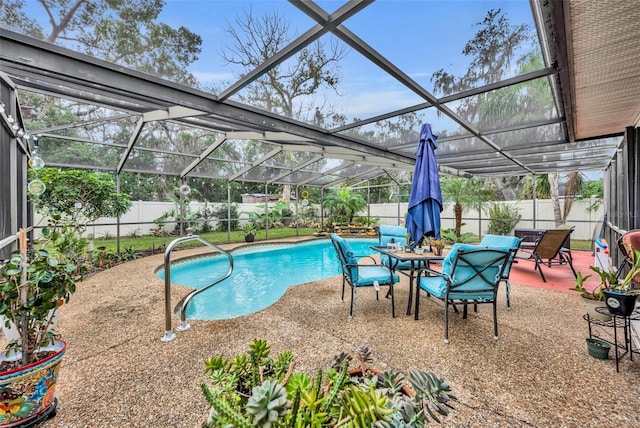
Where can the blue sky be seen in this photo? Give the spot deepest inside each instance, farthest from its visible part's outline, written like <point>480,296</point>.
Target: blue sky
<point>419,36</point>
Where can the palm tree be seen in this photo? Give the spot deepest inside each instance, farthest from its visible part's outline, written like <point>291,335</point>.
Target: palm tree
<point>464,193</point>
<point>345,203</point>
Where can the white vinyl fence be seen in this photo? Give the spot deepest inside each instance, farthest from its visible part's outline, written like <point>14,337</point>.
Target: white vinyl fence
<point>139,219</point>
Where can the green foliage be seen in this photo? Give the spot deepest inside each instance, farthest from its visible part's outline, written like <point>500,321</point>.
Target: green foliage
<point>503,218</point>
<point>250,228</point>
<point>253,389</point>
<point>465,193</point>
<point>96,193</point>
<point>450,237</point>
<point>595,294</point>
<point>33,285</point>
<point>229,212</point>
<point>272,215</point>
<point>124,32</point>
<point>204,217</point>
<point>595,189</point>
<point>344,204</point>
<point>611,280</point>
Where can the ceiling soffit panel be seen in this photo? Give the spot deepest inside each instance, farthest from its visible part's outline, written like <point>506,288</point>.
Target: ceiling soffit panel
<point>604,53</point>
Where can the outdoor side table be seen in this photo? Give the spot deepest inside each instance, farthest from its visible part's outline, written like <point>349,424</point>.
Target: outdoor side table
<point>616,322</point>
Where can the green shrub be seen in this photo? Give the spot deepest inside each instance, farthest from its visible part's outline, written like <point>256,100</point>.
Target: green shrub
<point>503,218</point>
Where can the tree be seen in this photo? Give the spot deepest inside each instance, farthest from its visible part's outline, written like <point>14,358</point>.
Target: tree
<point>121,31</point>
<point>282,89</point>
<point>464,193</point>
<point>256,39</point>
<point>344,203</point>
<point>81,194</point>
<point>493,50</point>
<point>593,189</point>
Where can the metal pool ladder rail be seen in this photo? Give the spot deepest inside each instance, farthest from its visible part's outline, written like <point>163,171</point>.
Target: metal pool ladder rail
<point>169,335</point>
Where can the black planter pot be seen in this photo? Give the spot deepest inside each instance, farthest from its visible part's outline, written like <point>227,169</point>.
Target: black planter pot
<point>620,304</point>
<point>249,237</point>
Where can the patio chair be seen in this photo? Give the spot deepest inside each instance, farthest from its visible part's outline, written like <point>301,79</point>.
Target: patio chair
<point>358,275</point>
<point>549,250</point>
<point>504,242</point>
<point>631,239</point>
<point>399,235</point>
<point>470,274</point>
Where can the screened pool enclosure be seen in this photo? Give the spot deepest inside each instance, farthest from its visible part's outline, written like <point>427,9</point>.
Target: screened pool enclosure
<point>544,93</point>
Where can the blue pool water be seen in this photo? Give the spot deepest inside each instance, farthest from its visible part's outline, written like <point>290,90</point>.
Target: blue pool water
<point>261,275</point>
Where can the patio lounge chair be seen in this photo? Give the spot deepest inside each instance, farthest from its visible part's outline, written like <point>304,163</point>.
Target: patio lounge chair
<point>503,242</point>
<point>362,275</point>
<point>470,274</point>
<point>548,250</point>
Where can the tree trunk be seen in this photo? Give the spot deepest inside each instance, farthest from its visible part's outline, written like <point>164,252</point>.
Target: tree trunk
<point>554,185</point>
<point>457,210</point>
<point>286,192</point>
<point>506,190</point>
<point>570,193</point>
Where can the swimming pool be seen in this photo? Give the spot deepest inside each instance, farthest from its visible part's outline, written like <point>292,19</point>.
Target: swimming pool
<point>261,275</point>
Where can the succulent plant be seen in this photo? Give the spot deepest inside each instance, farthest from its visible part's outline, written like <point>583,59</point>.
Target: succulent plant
<point>268,403</point>
<point>337,397</point>
<point>432,391</point>
<point>338,360</point>
<point>391,380</point>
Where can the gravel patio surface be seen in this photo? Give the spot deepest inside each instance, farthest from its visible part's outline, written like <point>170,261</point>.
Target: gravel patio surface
<point>118,373</point>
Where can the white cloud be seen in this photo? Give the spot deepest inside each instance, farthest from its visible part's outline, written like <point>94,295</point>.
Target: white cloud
<point>371,103</point>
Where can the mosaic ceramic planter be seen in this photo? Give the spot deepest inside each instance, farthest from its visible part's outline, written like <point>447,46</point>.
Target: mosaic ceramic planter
<point>27,393</point>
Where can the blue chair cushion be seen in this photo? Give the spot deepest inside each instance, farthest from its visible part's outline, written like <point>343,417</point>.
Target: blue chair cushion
<point>364,275</point>
<point>367,275</point>
<point>406,265</point>
<point>437,285</point>
<point>502,242</point>
<point>397,233</point>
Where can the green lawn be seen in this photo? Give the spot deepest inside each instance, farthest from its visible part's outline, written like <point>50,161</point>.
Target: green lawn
<point>147,243</point>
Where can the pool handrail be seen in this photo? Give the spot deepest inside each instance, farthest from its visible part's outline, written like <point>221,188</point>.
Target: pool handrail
<point>169,335</point>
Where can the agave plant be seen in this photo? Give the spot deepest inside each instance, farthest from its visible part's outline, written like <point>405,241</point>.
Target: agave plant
<point>256,390</point>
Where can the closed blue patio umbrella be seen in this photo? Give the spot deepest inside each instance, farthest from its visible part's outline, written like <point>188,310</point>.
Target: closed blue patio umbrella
<point>425,198</point>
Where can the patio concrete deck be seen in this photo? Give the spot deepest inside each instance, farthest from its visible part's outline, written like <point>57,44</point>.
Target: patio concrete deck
<point>117,372</point>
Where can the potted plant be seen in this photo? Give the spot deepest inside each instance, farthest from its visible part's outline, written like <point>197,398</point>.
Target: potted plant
<point>592,299</point>
<point>437,245</point>
<point>618,290</point>
<point>598,348</point>
<point>250,231</point>
<point>254,389</point>
<point>34,284</point>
